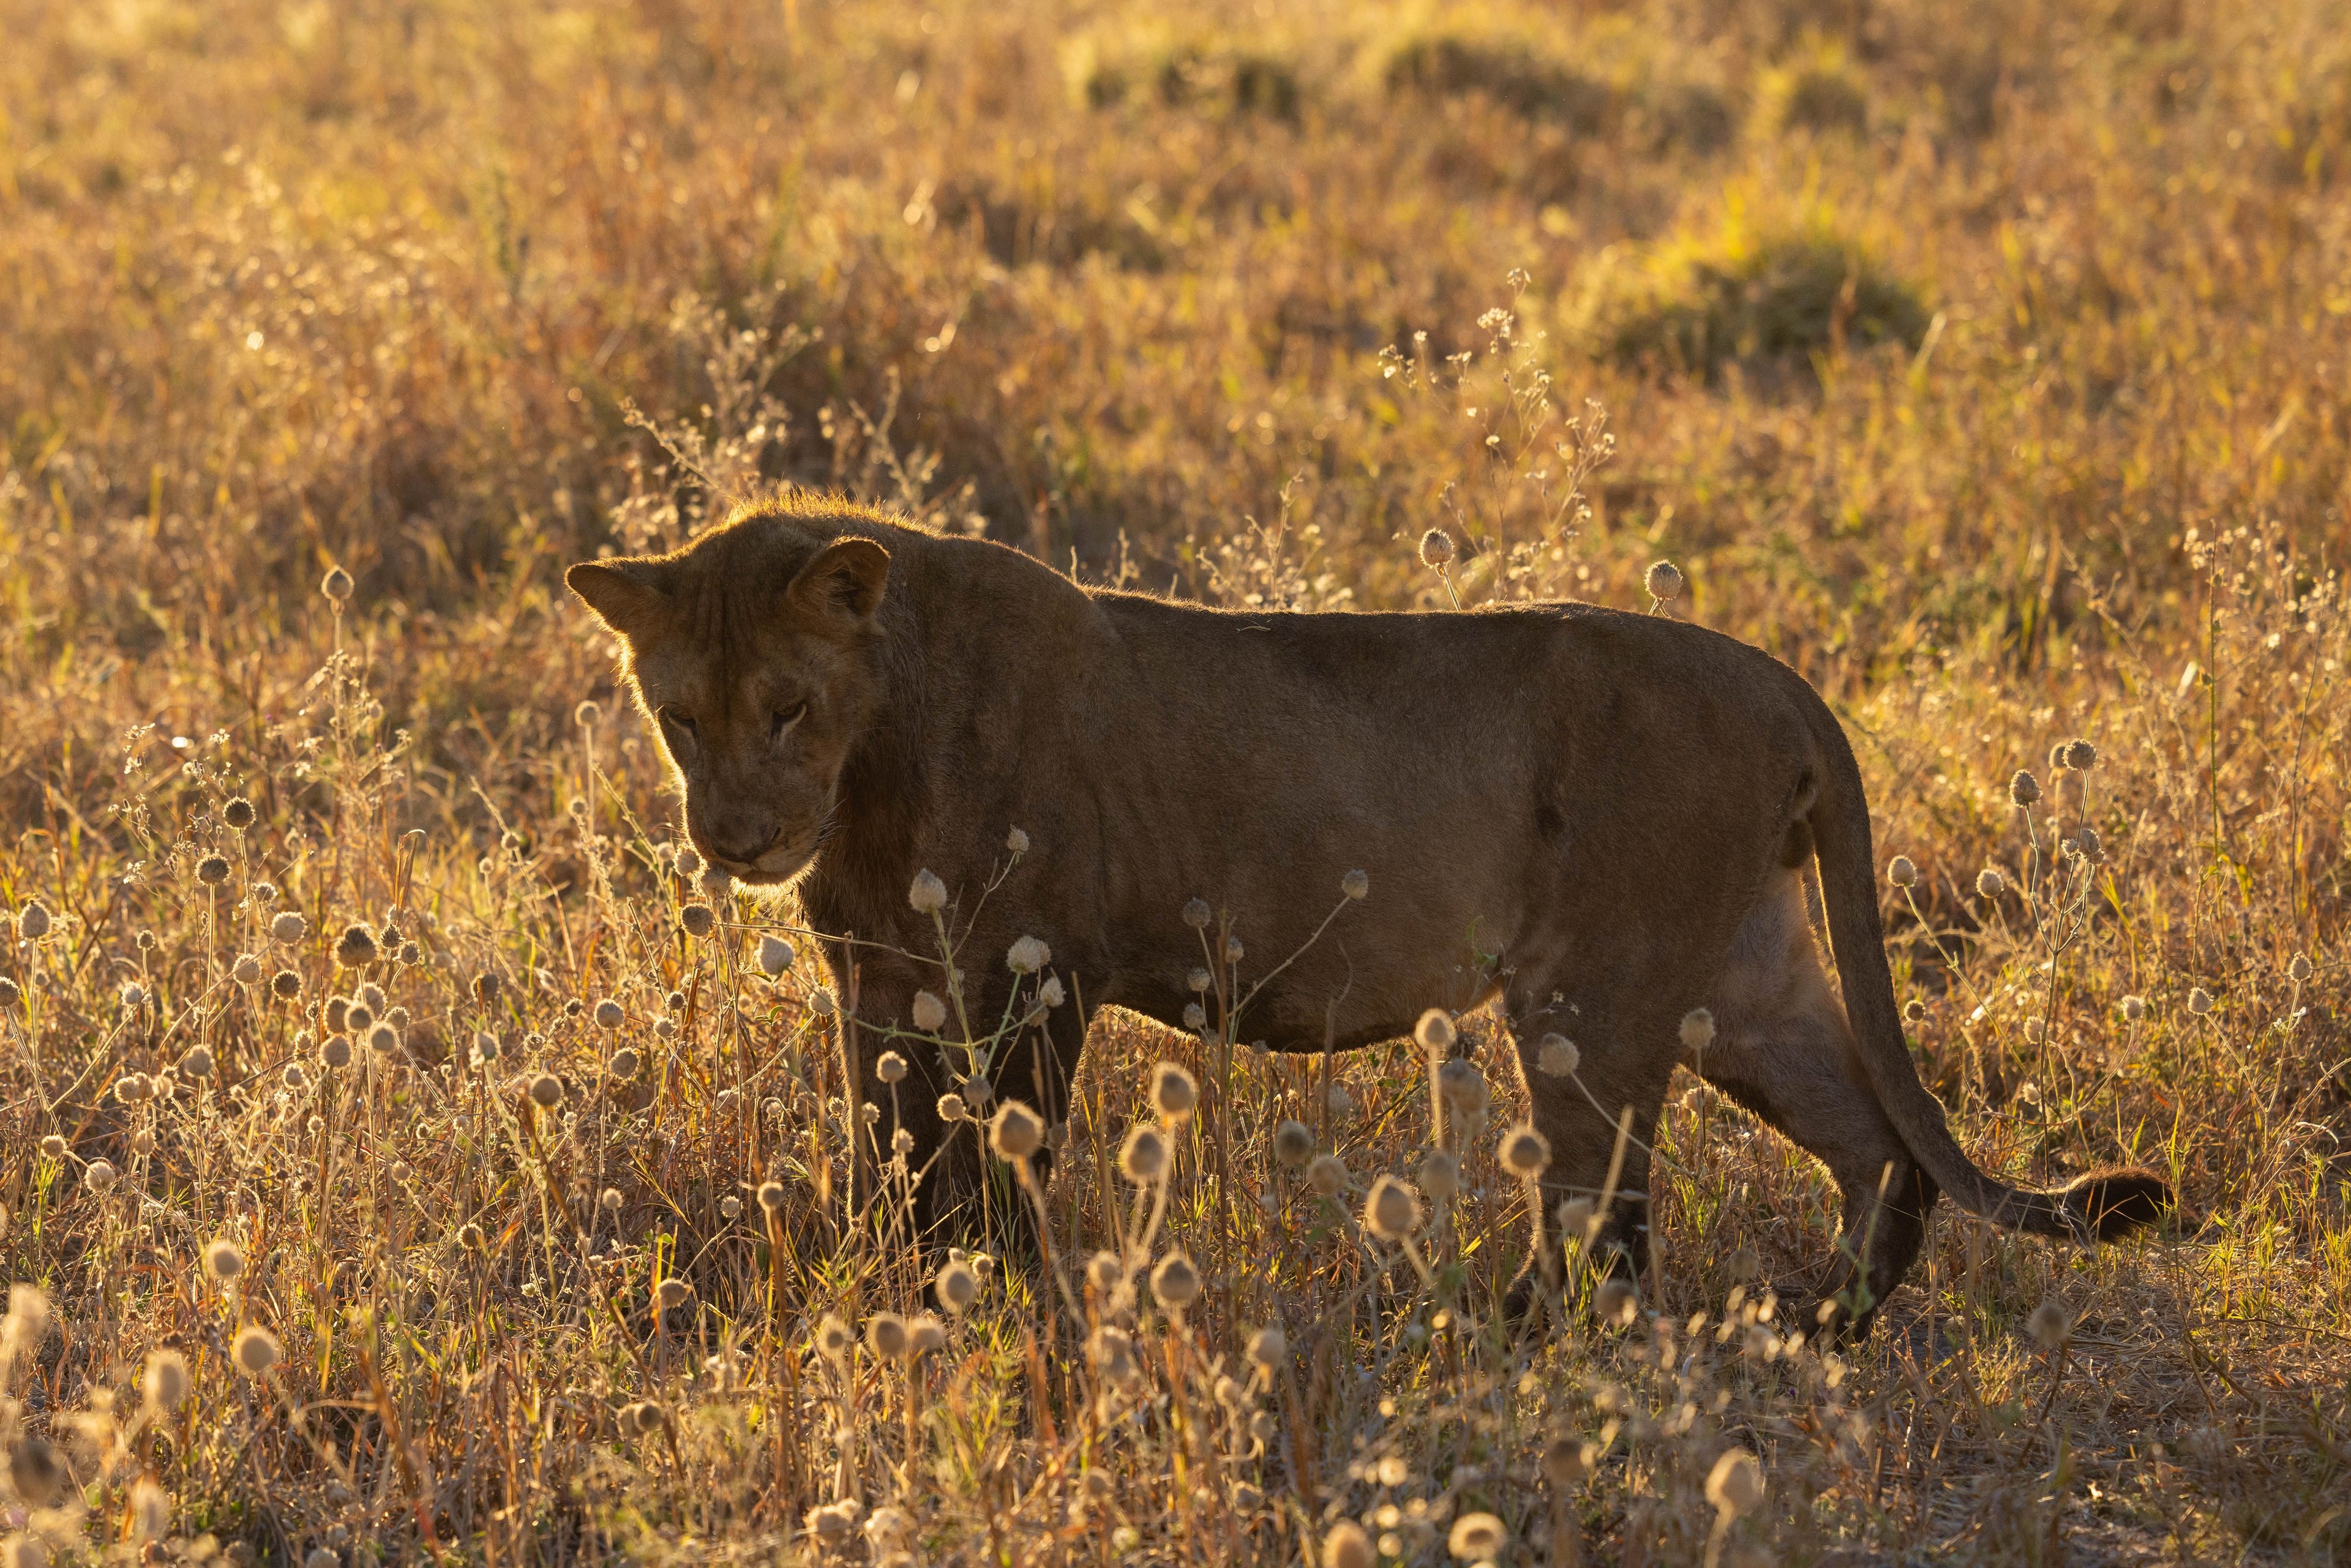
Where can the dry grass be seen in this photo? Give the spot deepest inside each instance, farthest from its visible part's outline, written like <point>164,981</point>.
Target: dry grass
<point>1983,358</point>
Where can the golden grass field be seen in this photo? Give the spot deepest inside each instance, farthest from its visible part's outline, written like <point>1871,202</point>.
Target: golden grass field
<point>1989,361</point>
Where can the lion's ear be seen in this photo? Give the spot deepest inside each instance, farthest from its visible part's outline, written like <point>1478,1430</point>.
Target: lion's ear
<point>844,583</point>
<point>627,594</point>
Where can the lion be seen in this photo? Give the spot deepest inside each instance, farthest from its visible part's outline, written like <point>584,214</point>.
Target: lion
<point>1599,820</point>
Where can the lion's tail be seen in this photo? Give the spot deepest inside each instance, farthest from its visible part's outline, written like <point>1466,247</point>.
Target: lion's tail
<point>2101,1205</point>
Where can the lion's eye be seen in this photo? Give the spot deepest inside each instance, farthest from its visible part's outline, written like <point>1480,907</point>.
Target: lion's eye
<point>785,718</point>
<point>675,721</point>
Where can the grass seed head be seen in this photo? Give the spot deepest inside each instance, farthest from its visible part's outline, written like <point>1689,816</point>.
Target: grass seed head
<point>925,1335</point>
<point>546,1091</point>
<point>223,1260</point>
<point>1344,1545</point>
<point>930,1013</point>
<point>287,927</point>
<point>356,947</point>
<point>255,1350</point>
<point>1556,1056</point>
<point>776,955</point>
<point>1392,1209</point>
<point>1356,885</point>
<point>1269,1348</point>
<point>165,1381</point>
<point>1143,1158</point>
<point>1566,1461</point>
<point>609,1014</point>
<point>1196,913</point>
<point>957,1287</point>
<point>197,1064</point>
<point>1616,1303</point>
<point>1027,956</point>
<point>890,1067</point>
<point>53,1146</point>
<point>2049,1325</point>
<point>1175,1282</point>
<point>1440,1175</point>
<point>698,920</point>
<point>1698,1029</point>
<point>2298,968</point>
<point>928,894</point>
<point>1016,1133</point>
<point>771,1197</point>
<point>1437,548</point>
<point>1293,1144</point>
<point>2199,1001</point>
<point>885,1335</point>
<point>1111,1348</point>
<point>100,1175</point>
<point>213,869</point>
<point>1106,1273</point>
<point>11,994</point>
<point>1664,582</point>
<point>337,586</point>
<point>1015,841</point>
<point>1525,1152</point>
<point>37,1470</point>
<point>1172,1092</point>
<point>1478,1537</point>
<point>1901,872</point>
<point>1990,883</point>
<point>833,1340</point>
<point>1435,1031</point>
<point>2023,789</point>
<point>247,970</point>
<point>286,985</point>
<point>1464,1087</point>
<point>33,921</point>
<point>1327,1175</point>
<point>1735,1485</point>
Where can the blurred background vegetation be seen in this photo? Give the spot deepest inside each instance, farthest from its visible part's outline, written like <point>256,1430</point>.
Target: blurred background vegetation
<point>1926,322</point>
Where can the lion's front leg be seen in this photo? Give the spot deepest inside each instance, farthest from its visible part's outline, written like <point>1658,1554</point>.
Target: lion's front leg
<point>1572,1086</point>
<point>928,1094</point>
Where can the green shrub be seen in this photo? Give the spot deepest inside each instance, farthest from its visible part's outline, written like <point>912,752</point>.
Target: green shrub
<point>1516,70</point>
<point>1822,93</point>
<point>1695,305</point>
<point>1205,75</point>
<point>1824,99</point>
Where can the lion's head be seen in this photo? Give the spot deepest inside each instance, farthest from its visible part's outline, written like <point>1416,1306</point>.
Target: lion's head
<point>755,652</point>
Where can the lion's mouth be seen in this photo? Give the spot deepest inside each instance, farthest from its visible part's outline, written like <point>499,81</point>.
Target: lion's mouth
<point>779,864</point>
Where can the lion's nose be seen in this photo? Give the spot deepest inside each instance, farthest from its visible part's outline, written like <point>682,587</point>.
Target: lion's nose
<point>741,846</point>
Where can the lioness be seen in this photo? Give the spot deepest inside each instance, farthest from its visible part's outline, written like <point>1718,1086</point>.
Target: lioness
<point>1600,818</point>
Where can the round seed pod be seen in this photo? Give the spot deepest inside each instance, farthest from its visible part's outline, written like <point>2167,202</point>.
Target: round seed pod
<point>1392,1209</point>
<point>1017,1133</point>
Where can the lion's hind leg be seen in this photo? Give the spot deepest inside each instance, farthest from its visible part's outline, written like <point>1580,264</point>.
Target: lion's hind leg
<point>1781,1049</point>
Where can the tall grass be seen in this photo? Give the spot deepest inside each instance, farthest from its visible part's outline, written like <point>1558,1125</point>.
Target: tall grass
<point>549,1258</point>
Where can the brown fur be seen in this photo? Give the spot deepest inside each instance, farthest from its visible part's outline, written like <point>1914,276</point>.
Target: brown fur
<point>1595,817</point>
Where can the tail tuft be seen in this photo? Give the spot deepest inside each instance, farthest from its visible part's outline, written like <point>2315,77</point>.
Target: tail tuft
<point>2115,1202</point>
